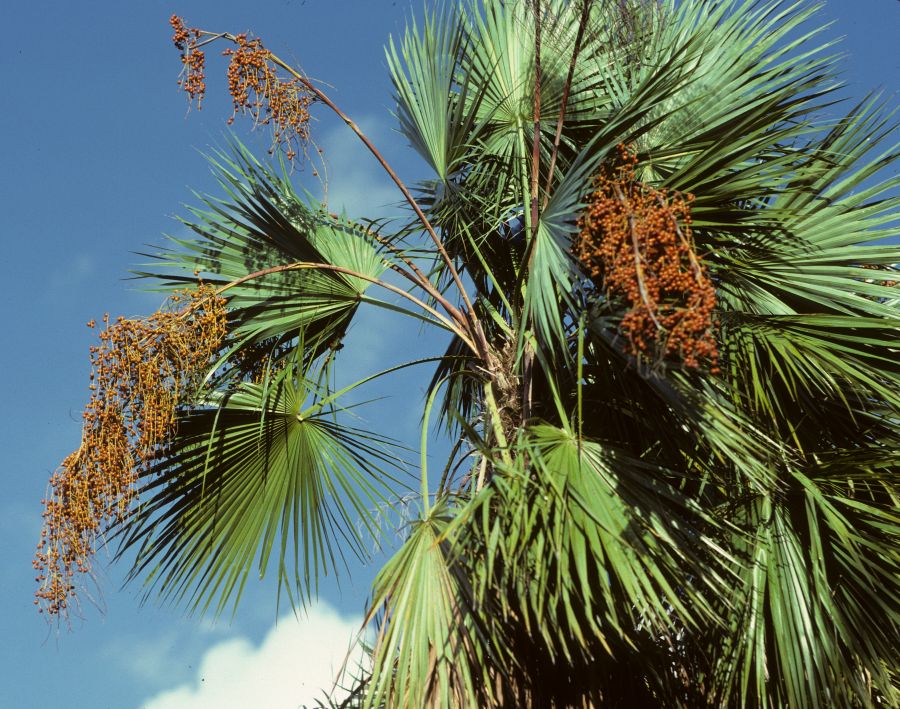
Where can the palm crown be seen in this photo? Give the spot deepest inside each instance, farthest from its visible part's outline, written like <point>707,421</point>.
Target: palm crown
<point>671,380</point>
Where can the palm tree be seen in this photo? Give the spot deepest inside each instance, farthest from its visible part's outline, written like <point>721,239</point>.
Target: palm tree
<point>671,387</point>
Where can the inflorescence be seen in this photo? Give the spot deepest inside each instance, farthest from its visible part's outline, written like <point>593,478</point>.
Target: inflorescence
<point>254,84</point>
<point>141,372</point>
<point>636,243</point>
<point>193,60</point>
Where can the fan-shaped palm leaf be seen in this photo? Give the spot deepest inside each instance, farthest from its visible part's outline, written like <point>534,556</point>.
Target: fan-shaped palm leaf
<point>265,477</point>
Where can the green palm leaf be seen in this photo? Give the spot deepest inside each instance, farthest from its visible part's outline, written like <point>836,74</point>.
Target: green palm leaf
<point>261,480</point>
<point>623,541</point>
<point>265,225</point>
<point>820,610</point>
<point>608,528</point>
<point>428,650</point>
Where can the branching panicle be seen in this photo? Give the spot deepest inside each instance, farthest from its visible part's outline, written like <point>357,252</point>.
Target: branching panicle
<point>193,60</point>
<point>253,82</point>
<point>257,90</point>
<point>140,374</point>
<point>636,242</point>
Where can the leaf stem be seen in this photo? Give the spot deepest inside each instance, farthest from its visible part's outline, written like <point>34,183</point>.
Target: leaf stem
<point>493,412</point>
<point>536,142</point>
<point>306,265</point>
<point>469,313</point>
<point>528,355</point>
<point>582,24</point>
<point>415,274</point>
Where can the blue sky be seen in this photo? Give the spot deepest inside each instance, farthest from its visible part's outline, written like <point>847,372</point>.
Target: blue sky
<point>99,152</point>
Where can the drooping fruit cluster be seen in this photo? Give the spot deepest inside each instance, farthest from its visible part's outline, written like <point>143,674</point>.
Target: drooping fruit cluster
<point>253,82</point>
<point>193,77</point>
<point>886,268</point>
<point>257,90</point>
<point>140,373</point>
<point>636,243</point>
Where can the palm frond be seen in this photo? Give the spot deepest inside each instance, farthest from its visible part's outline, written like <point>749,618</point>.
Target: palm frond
<point>264,477</point>
<point>429,650</point>
<point>263,226</point>
<point>627,549</point>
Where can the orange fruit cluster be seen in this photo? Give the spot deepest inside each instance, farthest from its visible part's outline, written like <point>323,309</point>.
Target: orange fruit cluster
<point>256,89</point>
<point>636,243</point>
<point>253,82</point>
<point>193,60</point>
<point>140,373</point>
<point>889,268</point>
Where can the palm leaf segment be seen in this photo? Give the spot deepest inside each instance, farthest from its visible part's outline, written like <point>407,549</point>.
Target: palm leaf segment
<point>265,470</point>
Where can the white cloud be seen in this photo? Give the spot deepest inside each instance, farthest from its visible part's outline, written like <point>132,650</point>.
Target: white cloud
<point>296,661</point>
